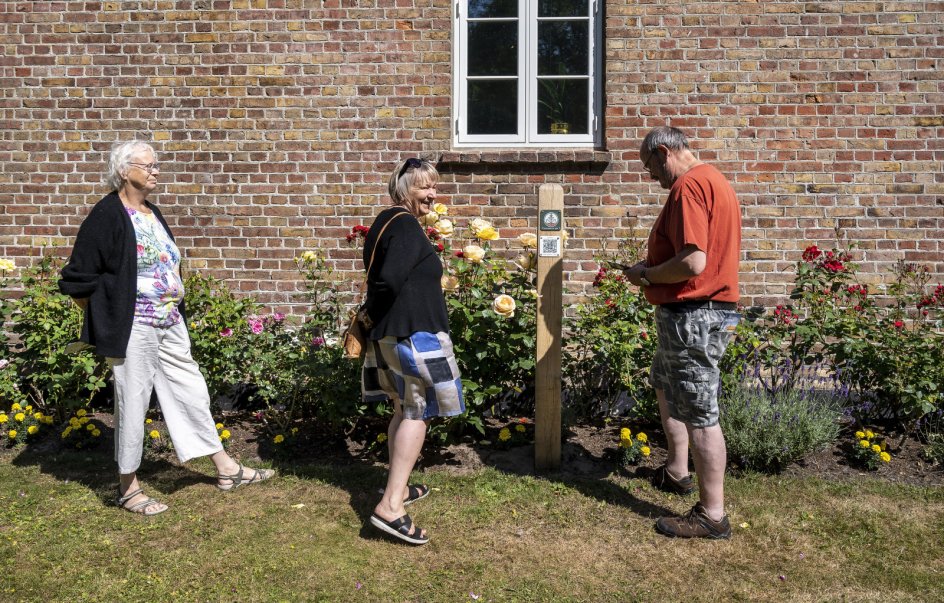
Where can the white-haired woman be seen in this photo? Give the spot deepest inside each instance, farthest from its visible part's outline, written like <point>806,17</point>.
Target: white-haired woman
<point>409,358</point>
<point>124,273</point>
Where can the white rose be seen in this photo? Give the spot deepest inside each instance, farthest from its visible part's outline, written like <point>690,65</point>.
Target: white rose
<point>444,227</point>
<point>477,224</point>
<point>430,219</point>
<point>504,305</point>
<point>528,240</point>
<point>473,253</point>
<point>525,261</point>
<point>449,282</point>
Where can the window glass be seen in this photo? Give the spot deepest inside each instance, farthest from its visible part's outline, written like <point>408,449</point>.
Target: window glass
<point>562,8</point>
<point>479,9</point>
<point>563,48</point>
<point>493,107</point>
<point>493,48</point>
<point>562,106</point>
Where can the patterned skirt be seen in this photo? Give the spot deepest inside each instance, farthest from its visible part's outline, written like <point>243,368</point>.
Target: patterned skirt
<point>419,370</point>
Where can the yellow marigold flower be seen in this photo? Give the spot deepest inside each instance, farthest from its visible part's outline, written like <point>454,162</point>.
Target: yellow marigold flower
<point>645,451</point>
<point>885,457</point>
<point>47,420</point>
<point>219,426</point>
<point>12,434</point>
<point>225,435</point>
<point>29,408</point>
<point>869,435</point>
<point>67,431</point>
<point>154,434</point>
<point>74,422</point>
<point>96,433</point>
<point>148,421</point>
<point>3,418</point>
<point>15,407</point>
<point>859,435</point>
<point>642,437</point>
<point>90,427</point>
<point>38,416</point>
<point>32,429</point>
<point>876,448</point>
<point>279,439</point>
<point>294,430</point>
<point>80,413</point>
<point>864,443</point>
<point>381,437</point>
<point>520,428</point>
<point>625,433</point>
<point>19,417</point>
<point>84,420</point>
<point>504,435</point>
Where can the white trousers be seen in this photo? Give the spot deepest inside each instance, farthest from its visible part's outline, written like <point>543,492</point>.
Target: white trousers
<point>159,359</point>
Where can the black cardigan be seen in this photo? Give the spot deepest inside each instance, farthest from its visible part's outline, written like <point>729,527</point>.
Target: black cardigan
<point>404,287</point>
<point>104,268</point>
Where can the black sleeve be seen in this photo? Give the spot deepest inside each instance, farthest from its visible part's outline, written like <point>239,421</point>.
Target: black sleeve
<point>79,278</point>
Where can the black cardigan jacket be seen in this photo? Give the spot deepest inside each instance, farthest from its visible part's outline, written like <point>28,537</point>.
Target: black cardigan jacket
<point>104,268</point>
<point>404,288</point>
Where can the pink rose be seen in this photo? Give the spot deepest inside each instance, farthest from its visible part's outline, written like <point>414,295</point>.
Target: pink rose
<point>227,332</point>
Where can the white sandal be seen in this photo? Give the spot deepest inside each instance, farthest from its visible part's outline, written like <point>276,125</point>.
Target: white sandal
<point>259,475</point>
<point>138,507</point>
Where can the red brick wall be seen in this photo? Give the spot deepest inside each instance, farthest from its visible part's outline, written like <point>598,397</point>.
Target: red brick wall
<point>278,121</point>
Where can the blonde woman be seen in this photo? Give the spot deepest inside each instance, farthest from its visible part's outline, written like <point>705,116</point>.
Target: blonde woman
<point>409,357</point>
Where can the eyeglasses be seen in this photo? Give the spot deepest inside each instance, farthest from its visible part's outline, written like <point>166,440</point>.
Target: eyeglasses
<point>148,167</point>
<point>646,164</point>
<point>412,162</point>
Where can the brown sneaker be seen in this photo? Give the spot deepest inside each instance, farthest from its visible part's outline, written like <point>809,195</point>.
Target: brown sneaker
<point>694,524</point>
<point>665,482</point>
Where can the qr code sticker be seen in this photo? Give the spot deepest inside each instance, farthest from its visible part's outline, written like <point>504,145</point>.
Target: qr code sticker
<point>550,247</point>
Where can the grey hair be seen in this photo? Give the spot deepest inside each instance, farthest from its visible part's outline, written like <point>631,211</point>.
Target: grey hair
<point>399,186</point>
<point>119,160</point>
<point>667,136</point>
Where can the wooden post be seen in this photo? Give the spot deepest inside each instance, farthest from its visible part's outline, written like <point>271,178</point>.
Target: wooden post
<point>547,415</point>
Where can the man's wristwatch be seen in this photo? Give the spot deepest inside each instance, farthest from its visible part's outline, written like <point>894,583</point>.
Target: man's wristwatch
<point>642,278</point>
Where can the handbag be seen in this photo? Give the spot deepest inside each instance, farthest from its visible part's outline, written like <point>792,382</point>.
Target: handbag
<point>359,325</point>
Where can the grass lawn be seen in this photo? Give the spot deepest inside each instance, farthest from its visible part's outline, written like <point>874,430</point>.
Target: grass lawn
<point>495,537</point>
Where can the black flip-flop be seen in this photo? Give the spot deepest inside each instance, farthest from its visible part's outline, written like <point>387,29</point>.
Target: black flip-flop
<point>417,492</point>
<point>400,528</point>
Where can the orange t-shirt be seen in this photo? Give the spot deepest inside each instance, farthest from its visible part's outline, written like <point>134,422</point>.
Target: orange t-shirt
<point>702,210</point>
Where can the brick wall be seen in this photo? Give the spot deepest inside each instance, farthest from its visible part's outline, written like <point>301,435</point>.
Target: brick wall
<point>278,121</point>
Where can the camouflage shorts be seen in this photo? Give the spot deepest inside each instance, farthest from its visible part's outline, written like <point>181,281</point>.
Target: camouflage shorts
<point>685,366</point>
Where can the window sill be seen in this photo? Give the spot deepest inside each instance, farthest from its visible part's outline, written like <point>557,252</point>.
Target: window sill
<point>545,160</point>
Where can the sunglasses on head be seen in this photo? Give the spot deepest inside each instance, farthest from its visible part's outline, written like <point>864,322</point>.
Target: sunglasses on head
<point>412,162</point>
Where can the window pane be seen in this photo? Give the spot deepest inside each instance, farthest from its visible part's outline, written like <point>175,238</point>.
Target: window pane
<point>492,8</point>
<point>493,48</point>
<point>493,107</point>
<point>562,103</point>
<point>562,8</point>
<point>563,48</point>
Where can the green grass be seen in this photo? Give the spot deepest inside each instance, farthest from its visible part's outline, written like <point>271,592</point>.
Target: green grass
<point>503,537</point>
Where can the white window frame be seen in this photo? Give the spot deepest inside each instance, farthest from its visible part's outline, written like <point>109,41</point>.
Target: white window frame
<point>527,136</point>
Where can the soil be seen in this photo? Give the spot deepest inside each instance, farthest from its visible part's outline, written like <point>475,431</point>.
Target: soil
<point>588,451</point>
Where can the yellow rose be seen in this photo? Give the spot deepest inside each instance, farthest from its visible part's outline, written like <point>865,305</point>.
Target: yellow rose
<point>473,253</point>
<point>440,208</point>
<point>7,265</point>
<point>528,240</point>
<point>477,224</point>
<point>645,451</point>
<point>876,448</point>
<point>12,434</point>
<point>487,234</point>
<point>32,429</point>
<point>885,457</point>
<point>504,435</point>
<point>3,418</point>
<point>526,262</point>
<point>279,439</point>
<point>444,227</point>
<point>429,219</point>
<point>80,413</point>
<point>19,417</point>
<point>225,435</point>
<point>859,435</point>
<point>15,407</point>
<point>642,437</point>
<point>449,282</point>
<point>219,426</point>
<point>155,435</point>
<point>504,305</point>
<point>309,256</point>
<point>864,443</point>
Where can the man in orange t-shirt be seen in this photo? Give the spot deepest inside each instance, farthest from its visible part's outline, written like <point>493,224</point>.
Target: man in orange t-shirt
<point>691,275</point>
